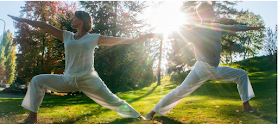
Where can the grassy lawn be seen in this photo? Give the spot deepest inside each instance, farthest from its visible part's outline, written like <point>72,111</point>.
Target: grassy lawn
<point>213,102</point>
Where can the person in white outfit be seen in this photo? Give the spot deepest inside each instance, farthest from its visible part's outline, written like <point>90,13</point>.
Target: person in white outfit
<point>80,74</point>
<point>206,39</point>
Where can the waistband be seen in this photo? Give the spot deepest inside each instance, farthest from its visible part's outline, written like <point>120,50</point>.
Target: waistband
<point>73,79</point>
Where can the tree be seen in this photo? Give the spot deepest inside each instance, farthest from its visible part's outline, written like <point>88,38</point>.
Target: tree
<point>250,40</point>
<point>230,47</point>
<point>157,48</point>
<point>271,45</point>
<point>181,57</point>
<point>40,52</point>
<point>2,58</point>
<point>8,56</point>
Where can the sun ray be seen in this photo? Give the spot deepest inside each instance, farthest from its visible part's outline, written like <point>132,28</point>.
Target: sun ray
<point>165,18</point>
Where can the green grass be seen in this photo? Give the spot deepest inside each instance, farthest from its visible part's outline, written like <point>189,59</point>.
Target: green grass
<point>213,102</point>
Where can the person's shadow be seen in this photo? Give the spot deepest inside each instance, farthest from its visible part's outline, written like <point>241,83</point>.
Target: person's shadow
<point>163,120</point>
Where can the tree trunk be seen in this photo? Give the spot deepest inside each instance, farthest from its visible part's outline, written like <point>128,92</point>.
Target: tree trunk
<point>42,57</point>
<point>159,63</point>
<point>43,39</point>
<point>227,59</point>
<point>114,30</point>
<point>231,52</point>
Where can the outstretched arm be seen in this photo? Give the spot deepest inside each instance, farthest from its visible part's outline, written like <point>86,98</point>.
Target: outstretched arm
<point>58,33</point>
<point>110,41</point>
<point>234,30</point>
<point>255,28</point>
<point>237,28</point>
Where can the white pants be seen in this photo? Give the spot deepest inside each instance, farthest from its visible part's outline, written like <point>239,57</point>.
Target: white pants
<point>91,85</point>
<point>201,73</point>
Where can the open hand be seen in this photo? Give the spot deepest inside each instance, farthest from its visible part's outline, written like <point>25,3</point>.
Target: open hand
<point>262,27</point>
<point>30,22</point>
<point>18,19</point>
<point>154,35</point>
<point>150,35</point>
<point>143,38</point>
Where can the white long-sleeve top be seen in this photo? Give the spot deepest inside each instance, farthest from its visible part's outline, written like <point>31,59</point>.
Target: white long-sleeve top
<point>79,54</point>
<point>207,40</point>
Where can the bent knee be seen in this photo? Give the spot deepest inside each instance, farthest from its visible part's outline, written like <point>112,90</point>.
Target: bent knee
<point>36,79</point>
<point>242,77</point>
<point>243,73</point>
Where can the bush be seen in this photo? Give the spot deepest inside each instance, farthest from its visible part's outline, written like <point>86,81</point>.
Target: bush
<point>14,90</point>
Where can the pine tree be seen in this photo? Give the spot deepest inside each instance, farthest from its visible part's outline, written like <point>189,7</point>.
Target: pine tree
<point>2,57</point>
<point>270,46</point>
<point>8,56</point>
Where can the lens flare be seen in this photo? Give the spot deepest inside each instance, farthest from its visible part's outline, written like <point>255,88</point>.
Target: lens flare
<point>166,17</point>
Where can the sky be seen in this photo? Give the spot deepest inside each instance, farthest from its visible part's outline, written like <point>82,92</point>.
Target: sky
<point>267,9</point>
<point>12,8</point>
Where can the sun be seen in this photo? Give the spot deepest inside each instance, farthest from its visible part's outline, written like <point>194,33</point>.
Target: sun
<point>166,17</point>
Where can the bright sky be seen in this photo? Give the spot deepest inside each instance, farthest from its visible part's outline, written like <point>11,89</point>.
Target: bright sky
<point>267,9</point>
<point>12,8</point>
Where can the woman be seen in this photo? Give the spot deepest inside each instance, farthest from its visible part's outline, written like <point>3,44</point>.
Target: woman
<point>80,74</point>
<point>206,38</point>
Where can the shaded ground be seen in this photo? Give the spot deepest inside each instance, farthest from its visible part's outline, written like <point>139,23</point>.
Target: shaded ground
<point>11,96</point>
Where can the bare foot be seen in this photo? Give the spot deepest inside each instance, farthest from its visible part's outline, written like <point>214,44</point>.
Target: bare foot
<point>150,115</point>
<point>247,107</point>
<point>31,119</point>
<point>26,121</point>
<point>141,118</point>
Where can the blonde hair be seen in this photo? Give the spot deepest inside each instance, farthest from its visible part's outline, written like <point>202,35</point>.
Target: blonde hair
<point>86,18</point>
